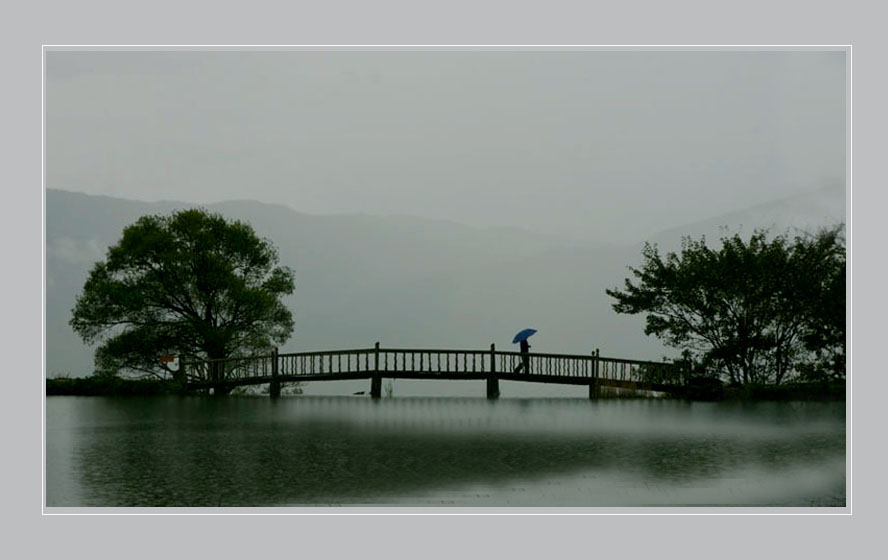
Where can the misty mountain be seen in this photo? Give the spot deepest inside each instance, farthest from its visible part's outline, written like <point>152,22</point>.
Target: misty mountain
<point>335,259</point>
<point>560,290</point>
<point>407,281</point>
<point>808,211</point>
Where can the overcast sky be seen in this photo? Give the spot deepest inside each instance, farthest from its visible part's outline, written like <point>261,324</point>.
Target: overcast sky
<point>610,143</point>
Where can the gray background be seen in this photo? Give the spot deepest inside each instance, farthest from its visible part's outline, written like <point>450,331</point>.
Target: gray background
<point>676,22</point>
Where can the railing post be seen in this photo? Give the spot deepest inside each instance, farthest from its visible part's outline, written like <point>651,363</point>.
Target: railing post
<point>492,381</point>
<point>376,380</point>
<point>274,388</point>
<point>593,389</point>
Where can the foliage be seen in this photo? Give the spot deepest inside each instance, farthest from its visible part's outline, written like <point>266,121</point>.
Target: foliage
<point>755,311</point>
<point>191,284</point>
<point>109,386</point>
<point>824,335</point>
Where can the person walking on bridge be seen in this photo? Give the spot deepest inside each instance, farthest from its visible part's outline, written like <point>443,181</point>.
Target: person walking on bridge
<point>525,358</point>
<point>525,349</point>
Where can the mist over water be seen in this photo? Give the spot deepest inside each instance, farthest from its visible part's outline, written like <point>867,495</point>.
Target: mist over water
<point>251,451</point>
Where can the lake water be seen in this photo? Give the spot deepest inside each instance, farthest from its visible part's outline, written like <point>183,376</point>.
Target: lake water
<point>413,451</point>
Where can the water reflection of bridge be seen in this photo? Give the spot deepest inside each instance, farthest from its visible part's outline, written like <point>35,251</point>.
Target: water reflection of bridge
<point>593,370</point>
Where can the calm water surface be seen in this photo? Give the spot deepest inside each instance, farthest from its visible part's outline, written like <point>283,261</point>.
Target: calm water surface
<point>252,451</point>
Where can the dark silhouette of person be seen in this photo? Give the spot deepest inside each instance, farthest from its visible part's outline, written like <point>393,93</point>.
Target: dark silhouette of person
<point>525,357</point>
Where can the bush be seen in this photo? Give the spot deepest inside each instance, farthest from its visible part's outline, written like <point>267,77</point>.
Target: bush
<point>108,386</point>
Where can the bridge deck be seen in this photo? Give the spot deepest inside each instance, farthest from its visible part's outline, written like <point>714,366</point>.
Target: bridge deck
<point>400,363</point>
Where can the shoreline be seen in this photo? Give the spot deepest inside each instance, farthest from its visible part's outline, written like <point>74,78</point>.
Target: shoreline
<point>97,386</point>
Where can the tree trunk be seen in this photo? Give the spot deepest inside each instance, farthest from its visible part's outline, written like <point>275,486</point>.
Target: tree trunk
<point>217,369</point>
<point>779,360</point>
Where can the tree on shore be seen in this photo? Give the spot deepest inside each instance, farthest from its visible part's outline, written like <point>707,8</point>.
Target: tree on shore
<point>754,311</point>
<point>824,334</point>
<point>191,284</point>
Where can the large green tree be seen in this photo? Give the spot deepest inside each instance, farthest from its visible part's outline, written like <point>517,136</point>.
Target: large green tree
<point>755,311</point>
<point>191,284</point>
<point>823,297</point>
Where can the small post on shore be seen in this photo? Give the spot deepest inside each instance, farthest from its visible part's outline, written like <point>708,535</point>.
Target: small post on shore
<point>274,389</point>
<point>492,381</point>
<point>376,380</point>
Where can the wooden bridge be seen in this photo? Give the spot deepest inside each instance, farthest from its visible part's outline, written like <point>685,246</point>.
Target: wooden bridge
<point>376,363</point>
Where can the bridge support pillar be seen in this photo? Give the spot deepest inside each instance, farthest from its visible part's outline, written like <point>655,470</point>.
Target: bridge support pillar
<point>493,391</point>
<point>376,380</point>
<point>593,388</point>
<point>274,388</point>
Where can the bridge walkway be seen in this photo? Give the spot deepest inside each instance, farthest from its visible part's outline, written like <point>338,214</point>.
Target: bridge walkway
<point>376,363</point>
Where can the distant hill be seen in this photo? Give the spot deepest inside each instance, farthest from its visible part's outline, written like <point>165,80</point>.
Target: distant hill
<point>407,281</point>
<point>807,211</point>
<point>335,258</point>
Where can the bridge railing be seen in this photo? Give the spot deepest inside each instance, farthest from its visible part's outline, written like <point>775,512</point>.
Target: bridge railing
<point>228,369</point>
<point>471,363</point>
<point>593,365</point>
<point>391,361</point>
<point>637,371</point>
<point>327,363</point>
<point>558,365</point>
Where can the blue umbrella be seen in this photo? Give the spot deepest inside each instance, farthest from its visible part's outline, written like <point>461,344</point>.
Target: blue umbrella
<point>523,335</point>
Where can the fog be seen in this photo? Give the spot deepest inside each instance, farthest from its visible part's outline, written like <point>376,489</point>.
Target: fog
<point>601,145</point>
